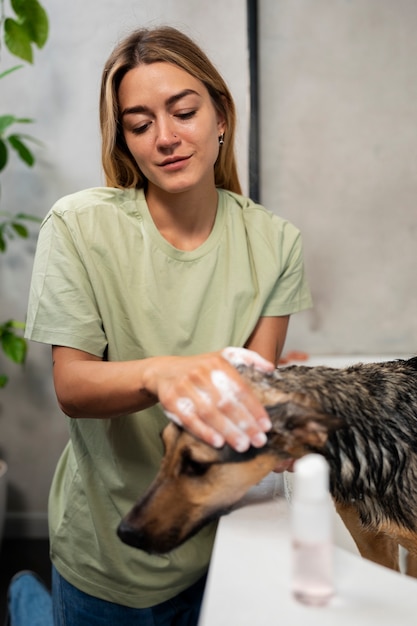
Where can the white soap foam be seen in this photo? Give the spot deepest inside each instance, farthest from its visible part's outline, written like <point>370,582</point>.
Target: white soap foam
<point>242,356</point>
<point>186,406</point>
<point>227,387</point>
<point>174,418</point>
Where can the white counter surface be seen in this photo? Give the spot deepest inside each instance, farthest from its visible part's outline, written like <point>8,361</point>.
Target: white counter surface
<point>347,360</point>
<point>249,578</point>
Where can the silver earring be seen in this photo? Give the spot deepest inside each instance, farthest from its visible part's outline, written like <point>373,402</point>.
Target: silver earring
<point>221,139</point>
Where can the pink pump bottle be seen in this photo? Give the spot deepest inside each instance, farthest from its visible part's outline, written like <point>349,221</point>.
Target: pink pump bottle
<point>312,533</point>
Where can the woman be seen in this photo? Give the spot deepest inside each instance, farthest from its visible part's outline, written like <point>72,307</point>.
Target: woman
<point>139,287</point>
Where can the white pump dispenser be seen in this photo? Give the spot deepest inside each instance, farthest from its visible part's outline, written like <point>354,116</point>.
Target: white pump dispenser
<point>312,536</point>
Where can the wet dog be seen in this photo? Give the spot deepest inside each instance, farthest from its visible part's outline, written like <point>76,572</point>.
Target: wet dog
<point>362,419</point>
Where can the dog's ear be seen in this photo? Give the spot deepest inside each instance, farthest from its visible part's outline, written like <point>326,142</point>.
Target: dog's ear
<point>298,427</point>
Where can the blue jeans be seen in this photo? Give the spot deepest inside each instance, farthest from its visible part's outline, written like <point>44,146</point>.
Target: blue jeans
<point>29,601</point>
<point>73,607</point>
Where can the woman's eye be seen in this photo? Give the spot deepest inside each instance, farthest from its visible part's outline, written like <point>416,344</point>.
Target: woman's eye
<point>138,130</point>
<point>191,467</point>
<point>187,115</point>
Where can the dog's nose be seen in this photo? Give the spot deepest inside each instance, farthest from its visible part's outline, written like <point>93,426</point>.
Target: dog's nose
<point>130,535</point>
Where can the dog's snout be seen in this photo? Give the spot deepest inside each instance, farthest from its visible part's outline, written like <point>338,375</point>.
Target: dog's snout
<point>130,535</point>
<point>147,539</point>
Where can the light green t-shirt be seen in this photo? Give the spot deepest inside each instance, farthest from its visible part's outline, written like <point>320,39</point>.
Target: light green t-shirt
<point>105,281</point>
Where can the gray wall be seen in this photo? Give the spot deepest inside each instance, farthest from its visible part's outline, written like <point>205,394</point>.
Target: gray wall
<point>339,159</point>
<point>339,143</point>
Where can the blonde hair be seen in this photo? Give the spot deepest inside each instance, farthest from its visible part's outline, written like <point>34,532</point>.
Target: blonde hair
<point>163,44</point>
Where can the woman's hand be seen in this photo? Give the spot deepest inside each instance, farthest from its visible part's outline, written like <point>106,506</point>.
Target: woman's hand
<point>207,396</point>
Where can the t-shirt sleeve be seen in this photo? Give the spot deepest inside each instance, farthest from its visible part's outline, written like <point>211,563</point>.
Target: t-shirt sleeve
<point>291,293</point>
<point>62,309</point>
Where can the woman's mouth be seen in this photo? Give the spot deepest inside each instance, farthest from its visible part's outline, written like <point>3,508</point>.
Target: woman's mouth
<point>174,163</point>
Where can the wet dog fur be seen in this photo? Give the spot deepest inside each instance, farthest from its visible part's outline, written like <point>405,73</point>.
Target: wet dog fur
<point>362,419</point>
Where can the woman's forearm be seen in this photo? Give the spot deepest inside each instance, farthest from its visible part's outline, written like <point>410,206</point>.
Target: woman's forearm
<point>92,388</point>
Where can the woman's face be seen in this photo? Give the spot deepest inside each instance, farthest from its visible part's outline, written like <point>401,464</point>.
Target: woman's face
<point>171,127</point>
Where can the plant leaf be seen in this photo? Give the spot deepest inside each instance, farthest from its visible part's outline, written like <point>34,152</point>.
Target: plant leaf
<point>23,120</point>
<point>10,70</point>
<point>28,138</point>
<point>27,216</point>
<point>5,122</point>
<point>20,230</point>
<point>16,324</point>
<point>14,347</point>
<point>22,150</point>
<point>3,246</point>
<point>4,327</point>
<point>33,18</point>
<point>3,154</point>
<point>3,380</point>
<point>17,40</point>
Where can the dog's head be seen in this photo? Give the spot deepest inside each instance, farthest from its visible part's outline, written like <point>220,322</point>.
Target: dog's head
<point>196,483</point>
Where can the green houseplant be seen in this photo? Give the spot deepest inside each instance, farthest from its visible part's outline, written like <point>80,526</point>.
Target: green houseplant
<point>26,27</point>
<point>19,33</point>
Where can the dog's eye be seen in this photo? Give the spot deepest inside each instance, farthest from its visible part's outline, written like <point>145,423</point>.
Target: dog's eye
<point>191,467</point>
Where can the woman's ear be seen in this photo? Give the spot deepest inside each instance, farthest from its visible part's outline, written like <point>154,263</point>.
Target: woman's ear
<point>221,124</point>
<point>221,118</point>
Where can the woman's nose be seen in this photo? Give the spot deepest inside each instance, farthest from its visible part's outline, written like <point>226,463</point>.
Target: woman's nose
<point>166,137</point>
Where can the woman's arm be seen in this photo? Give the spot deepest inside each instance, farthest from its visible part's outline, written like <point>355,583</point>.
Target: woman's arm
<point>268,338</point>
<point>204,393</point>
<point>86,386</point>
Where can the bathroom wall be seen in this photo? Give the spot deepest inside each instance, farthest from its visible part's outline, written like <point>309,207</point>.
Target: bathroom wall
<point>61,93</point>
<point>339,159</point>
